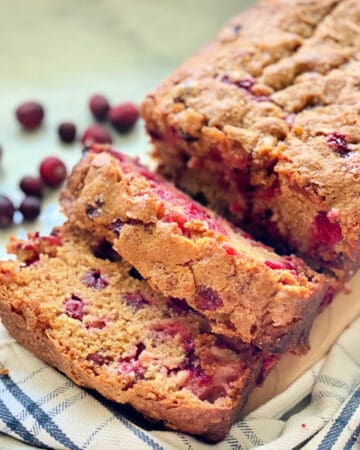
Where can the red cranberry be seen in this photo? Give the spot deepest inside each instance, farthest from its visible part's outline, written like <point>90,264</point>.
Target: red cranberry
<point>52,171</point>
<point>30,207</point>
<point>67,132</point>
<point>98,358</point>
<point>124,116</point>
<point>230,250</point>
<point>74,307</point>
<point>277,265</point>
<point>338,142</point>
<point>261,98</point>
<point>325,231</point>
<point>135,299</point>
<point>6,211</point>
<point>93,279</point>
<point>134,352</point>
<point>172,329</point>
<point>98,324</point>
<point>99,106</point>
<point>96,134</point>
<point>30,115</point>
<point>131,368</point>
<point>246,83</point>
<point>199,383</point>
<point>32,186</point>
<point>207,299</point>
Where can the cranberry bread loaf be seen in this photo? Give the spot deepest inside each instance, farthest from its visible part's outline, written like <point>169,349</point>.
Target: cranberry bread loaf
<point>80,308</point>
<point>185,251</point>
<point>263,126</point>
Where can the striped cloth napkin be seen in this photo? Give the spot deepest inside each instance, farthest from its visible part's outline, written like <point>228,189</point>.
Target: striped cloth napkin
<point>40,408</point>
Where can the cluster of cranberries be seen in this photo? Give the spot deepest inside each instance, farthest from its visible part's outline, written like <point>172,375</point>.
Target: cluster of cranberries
<point>122,117</point>
<point>52,171</point>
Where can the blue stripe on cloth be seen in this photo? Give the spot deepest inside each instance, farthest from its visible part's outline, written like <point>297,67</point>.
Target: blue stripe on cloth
<point>233,442</point>
<point>186,441</point>
<point>244,426</point>
<point>321,394</point>
<point>97,430</point>
<point>334,382</point>
<point>67,385</point>
<point>341,421</point>
<point>129,425</point>
<point>27,378</point>
<point>17,427</point>
<point>39,414</point>
<point>138,432</point>
<point>352,439</point>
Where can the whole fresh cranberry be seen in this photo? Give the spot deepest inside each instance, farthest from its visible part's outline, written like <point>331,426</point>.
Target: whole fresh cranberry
<point>123,116</point>
<point>30,115</point>
<point>99,106</point>
<point>6,211</point>
<point>32,186</point>
<point>30,207</point>
<point>67,132</point>
<point>96,134</point>
<point>52,171</point>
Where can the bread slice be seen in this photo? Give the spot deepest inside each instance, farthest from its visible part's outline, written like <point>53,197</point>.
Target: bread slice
<point>73,303</point>
<point>244,288</point>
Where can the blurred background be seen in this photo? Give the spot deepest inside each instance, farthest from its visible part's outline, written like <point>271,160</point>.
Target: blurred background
<point>60,52</point>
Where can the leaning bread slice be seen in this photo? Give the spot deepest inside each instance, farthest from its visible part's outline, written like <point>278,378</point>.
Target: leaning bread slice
<point>244,288</point>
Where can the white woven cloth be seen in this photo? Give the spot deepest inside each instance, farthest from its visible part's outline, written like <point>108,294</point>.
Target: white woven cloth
<point>39,407</point>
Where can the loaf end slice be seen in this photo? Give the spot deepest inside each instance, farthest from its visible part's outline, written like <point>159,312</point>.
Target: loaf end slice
<point>73,303</point>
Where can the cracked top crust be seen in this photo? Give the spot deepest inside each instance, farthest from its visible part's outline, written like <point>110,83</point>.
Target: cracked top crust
<point>278,59</point>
